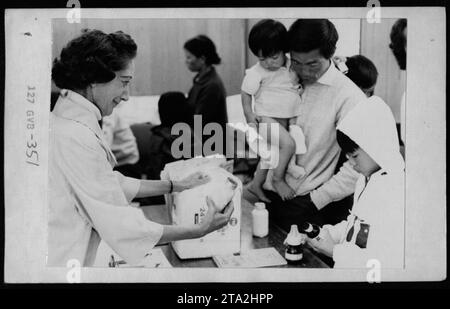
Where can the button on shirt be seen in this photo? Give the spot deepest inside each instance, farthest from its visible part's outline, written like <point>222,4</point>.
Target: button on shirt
<point>88,200</point>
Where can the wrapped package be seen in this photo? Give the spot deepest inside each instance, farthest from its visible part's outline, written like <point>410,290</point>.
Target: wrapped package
<point>190,206</point>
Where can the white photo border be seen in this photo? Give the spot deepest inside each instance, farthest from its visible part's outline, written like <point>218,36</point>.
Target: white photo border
<point>28,59</point>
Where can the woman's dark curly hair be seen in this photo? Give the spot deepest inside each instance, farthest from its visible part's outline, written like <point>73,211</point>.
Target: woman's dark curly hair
<point>398,42</point>
<point>92,57</point>
<point>200,46</point>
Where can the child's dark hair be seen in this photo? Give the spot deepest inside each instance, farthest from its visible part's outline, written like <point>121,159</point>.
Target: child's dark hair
<point>200,46</point>
<point>173,108</point>
<point>346,143</point>
<point>92,57</point>
<point>398,42</point>
<point>361,71</point>
<point>268,36</point>
<point>306,35</point>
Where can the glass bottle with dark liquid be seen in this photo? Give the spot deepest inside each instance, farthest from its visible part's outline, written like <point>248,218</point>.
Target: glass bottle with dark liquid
<point>294,246</point>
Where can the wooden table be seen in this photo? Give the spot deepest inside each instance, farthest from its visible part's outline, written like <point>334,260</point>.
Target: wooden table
<point>276,237</point>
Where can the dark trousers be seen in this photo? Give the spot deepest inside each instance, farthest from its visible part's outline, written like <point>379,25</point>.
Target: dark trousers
<point>301,209</point>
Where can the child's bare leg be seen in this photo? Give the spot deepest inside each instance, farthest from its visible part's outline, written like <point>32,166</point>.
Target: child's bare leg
<point>256,184</point>
<point>286,150</point>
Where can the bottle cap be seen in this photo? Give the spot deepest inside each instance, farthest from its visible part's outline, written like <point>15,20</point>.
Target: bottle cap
<point>307,227</point>
<point>294,238</point>
<point>260,205</point>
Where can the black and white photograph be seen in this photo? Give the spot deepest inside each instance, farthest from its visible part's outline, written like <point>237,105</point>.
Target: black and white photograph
<point>225,145</point>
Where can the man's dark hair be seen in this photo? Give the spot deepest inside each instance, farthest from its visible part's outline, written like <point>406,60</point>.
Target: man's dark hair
<point>306,35</point>
<point>200,46</point>
<point>92,57</point>
<point>173,108</point>
<point>346,143</point>
<point>268,36</point>
<point>398,42</point>
<point>361,71</point>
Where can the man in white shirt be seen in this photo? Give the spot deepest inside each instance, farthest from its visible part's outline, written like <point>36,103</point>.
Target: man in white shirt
<point>327,98</point>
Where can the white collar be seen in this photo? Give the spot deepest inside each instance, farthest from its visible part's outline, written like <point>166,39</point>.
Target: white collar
<point>73,106</point>
<point>328,77</point>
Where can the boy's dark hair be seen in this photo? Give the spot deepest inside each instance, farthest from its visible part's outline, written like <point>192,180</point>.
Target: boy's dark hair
<point>268,36</point>
<point>361,71</point>
<point>173,108</point>
<point>306,35</point>
<point>398,42</point>
<point>92,57</point>
<point>200,46</point>
<point>346,143</point>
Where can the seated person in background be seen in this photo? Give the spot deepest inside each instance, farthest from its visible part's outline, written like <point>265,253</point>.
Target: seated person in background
<point>398,42</point>
<point>122,142</point>
<point>276,90</point>
<point>374,227</point>
<point>361,71</point>
<point>173,108</point>
<point>156,141</point>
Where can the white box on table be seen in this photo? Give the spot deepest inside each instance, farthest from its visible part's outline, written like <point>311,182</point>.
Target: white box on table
<point>191,208</point>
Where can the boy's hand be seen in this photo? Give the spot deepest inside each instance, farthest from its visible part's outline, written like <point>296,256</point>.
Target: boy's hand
<point>324,244</point>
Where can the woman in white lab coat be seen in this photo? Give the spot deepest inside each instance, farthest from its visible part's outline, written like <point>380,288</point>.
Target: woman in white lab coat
<point>88,201</point>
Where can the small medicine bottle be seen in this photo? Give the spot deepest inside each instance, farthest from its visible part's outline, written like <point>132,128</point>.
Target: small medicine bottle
<point>294,246</point>
<point>311,230</point>
<point>260,218</point>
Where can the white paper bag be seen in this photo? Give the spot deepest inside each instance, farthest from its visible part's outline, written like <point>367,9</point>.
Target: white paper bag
<point>189,206</point>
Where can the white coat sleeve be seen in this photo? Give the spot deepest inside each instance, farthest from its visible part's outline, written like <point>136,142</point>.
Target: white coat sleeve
<point>385,242</point>
<point>129,185</point>
<point>337,230</point>
<point>99,199</point>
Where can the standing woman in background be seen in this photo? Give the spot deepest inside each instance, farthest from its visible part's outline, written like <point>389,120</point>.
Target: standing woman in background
<point>207,96</point>
<point>88,201</point>
<point>398,46</point>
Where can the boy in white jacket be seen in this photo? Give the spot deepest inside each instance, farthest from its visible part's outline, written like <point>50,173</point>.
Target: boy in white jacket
<point>374,228</point>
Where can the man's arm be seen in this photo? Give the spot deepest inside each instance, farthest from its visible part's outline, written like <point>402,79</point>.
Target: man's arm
<point>336,188</point>
<point>343,183</point>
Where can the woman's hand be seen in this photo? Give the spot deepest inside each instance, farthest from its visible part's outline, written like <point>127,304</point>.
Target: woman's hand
<point>324,244</point>
<point>193,181</point>
<point>214,219</point>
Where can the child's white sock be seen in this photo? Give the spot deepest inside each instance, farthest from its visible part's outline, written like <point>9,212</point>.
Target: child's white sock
<point>297,134</point>
<point>295,170</point>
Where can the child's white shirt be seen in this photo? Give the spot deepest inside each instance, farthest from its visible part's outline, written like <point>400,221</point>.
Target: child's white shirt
<point>276,93</point>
